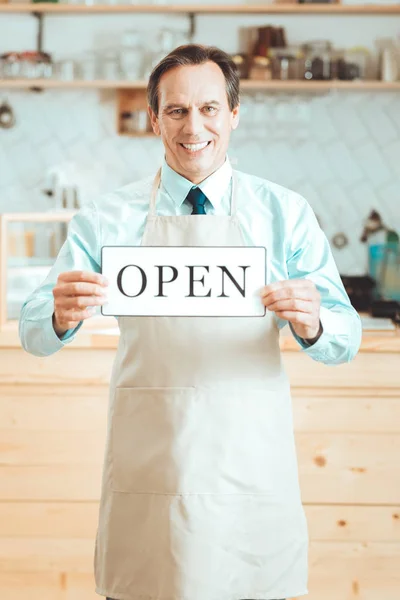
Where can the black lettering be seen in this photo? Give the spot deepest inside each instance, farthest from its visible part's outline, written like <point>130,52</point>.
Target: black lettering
<point>192,281</point>
<point>161,280</point>
<point>225,271</point>
<point>119,281</point>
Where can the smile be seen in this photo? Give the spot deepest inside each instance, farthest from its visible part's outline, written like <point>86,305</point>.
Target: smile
<point>195,147</point>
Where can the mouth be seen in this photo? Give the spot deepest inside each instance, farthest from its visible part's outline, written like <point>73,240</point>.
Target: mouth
<point>195,149</point>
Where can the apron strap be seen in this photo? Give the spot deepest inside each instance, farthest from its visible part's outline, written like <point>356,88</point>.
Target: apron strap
<point>156,184</point>
<point>234,194</point>
<point>154,190</point>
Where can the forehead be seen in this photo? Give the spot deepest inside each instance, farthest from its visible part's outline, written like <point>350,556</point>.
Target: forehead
<point>192,84</point>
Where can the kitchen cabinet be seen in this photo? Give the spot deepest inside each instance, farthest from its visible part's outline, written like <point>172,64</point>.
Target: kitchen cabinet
<point>54,423</point>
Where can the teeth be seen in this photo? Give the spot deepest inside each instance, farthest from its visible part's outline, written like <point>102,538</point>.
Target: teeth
<point>195,147</point>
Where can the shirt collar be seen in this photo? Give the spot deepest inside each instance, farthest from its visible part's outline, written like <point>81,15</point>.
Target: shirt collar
<point>214,186</point>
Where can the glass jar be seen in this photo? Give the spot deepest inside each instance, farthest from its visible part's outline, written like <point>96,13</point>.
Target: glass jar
<point>11,65</point>
<point>128,124</point>
<point>89,67</point>
<point>66,70</point>
<point>240,61</point>
<point>135,121</point>
<point>131,56</point>
<point>318,60</point>
<point>110,66</point>
<point>164,44</point>
<point>353,64</point>
<point>284,63</point>
<point>260,68</point>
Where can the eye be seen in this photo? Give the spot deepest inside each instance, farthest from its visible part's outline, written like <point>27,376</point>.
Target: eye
<point>210,109</point>
<point>176,111</point>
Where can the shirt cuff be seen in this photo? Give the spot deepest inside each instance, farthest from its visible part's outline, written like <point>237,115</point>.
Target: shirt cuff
<point>327,320</point>
<point>69,335</point>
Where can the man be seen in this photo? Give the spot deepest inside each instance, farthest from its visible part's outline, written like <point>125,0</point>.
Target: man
<point>200,497</point>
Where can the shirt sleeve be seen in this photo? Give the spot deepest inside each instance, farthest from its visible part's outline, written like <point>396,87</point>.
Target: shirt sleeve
<point>80,251</point>
<point>309,256</point>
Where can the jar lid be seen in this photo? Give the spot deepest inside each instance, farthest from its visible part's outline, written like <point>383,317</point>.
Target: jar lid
<point>261,61</point>
<point>238,59</point>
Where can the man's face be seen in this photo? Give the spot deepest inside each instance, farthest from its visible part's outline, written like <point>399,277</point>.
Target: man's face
<point>194,119</point>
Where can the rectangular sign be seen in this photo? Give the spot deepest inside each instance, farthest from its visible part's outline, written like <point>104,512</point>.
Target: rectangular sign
<point>184,281</point>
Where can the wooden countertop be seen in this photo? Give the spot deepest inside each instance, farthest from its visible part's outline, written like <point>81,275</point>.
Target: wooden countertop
<point>103,334</point>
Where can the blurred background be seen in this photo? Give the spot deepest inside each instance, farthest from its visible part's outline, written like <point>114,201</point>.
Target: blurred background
<point>320,114</point>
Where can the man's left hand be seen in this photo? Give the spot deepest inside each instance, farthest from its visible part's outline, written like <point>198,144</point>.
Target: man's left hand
<point>297,301</point>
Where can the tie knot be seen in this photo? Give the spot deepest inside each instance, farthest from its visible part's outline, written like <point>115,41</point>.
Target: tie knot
<point>197,200</point>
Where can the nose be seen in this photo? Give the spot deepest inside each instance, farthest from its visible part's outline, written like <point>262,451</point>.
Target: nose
<point>194,123</point>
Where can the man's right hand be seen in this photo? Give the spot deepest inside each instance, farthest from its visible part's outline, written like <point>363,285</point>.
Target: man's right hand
<point>73,293</point>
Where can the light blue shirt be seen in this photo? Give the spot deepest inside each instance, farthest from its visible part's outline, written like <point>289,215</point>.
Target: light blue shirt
<point>270,215</point>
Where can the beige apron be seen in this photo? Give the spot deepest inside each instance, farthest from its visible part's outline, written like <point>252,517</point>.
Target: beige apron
<point>200,492</point>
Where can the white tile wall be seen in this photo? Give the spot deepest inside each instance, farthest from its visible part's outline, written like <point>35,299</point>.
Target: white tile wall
<point>343,176</point>
<point>340,150</point>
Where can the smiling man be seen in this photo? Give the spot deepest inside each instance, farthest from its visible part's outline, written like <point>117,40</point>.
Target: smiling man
<point>200,494</point>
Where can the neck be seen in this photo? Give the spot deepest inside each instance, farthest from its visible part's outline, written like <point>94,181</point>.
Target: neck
<point>197,178</point>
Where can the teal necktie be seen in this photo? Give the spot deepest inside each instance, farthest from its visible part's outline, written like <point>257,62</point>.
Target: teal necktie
<point>197,200</point>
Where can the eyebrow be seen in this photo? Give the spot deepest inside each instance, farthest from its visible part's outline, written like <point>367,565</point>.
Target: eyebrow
<point>207,103</point>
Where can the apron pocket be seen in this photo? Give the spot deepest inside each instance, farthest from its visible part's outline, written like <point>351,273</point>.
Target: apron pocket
<point>193,440</point>
<point>145,438</point>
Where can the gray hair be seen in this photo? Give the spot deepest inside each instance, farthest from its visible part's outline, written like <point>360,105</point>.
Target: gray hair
<point>195,54</point>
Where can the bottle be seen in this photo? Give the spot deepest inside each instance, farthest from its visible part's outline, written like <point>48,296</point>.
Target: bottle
<point>388,65</point>
<point>131,56</point>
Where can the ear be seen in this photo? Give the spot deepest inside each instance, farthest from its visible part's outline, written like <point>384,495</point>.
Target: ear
<point>154,121</point>
<point>235,117</point>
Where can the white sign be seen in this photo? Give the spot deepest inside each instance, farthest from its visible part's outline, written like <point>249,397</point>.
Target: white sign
<point>184,281</point>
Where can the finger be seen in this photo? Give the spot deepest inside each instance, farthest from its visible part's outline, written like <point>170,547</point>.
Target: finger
<point>295,305</point>
<point>299,318</point>
<point>87,276</point>
<point>77,288</point>
<point>277,286</point>
<point>289,294</point>
<point>75,316</point>
<point>80,302</point>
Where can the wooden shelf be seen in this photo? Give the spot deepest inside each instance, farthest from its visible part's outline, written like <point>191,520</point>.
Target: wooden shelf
<point>246,84</point>
<point>276,8</point>
<point>295,85</point>
<point>54,83</point>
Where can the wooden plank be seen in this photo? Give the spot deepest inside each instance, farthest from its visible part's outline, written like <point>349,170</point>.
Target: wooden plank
<point>365,371</point>
<point>208,8</point>
<point>78,520</point>
<point>245,84</point>
<point>353,523</point>
<point>51,448</point>
<point>32,586</point>
<point>370,565</point>
<point>70,520</point>
<point>349,468</point>
<point>348,571</point>
<point>69,408</point>
<point>55,408</point>
<point>333,468</point>
<point>364,413</point>
<point>47,586</point>
<point>49,482</point>
<point>79,367</point>
<point>71,368</point>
